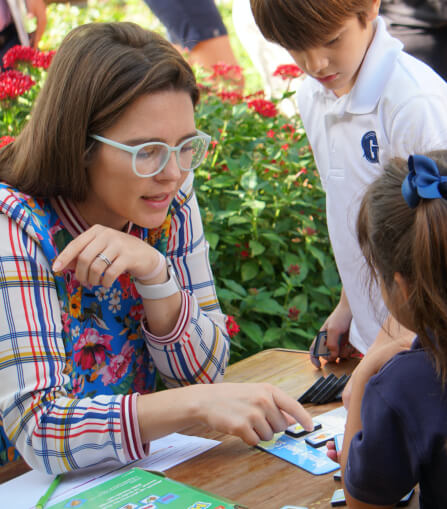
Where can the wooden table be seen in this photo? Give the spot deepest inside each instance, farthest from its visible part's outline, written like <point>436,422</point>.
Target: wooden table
<point>245,474</point>
<point>248,475</point>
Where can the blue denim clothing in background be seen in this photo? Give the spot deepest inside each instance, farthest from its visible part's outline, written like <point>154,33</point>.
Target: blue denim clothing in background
<point>189,21</point>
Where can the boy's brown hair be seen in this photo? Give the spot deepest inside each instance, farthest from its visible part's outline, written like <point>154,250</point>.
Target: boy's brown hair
<point>98,71</point>
<point>412,242</point>
<point>302,24</point>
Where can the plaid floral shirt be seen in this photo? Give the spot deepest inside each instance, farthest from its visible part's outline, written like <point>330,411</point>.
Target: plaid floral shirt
<point>73,360</point>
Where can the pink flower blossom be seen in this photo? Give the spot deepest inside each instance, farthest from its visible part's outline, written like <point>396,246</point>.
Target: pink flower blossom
<point>91,348</point>
<point>66,320</point>
<point>118,366</point>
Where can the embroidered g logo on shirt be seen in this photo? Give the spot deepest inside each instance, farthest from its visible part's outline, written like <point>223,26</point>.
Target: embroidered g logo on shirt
<point>370,147</point>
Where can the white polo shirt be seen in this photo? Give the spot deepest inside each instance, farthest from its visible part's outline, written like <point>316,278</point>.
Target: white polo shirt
<point>397,107</point>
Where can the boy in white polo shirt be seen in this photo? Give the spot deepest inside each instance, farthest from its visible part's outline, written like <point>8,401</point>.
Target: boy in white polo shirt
<point>363,102</point>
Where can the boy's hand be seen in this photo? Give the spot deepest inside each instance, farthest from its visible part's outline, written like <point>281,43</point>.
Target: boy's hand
<point>337,327</point>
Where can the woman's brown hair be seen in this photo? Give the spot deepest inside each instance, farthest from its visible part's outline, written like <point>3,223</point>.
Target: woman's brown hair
<point>99,69</point>
<point>303,24</point>
<point>412,242</point>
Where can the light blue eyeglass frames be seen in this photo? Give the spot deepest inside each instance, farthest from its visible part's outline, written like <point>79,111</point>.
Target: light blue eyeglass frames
<point>149,159</point>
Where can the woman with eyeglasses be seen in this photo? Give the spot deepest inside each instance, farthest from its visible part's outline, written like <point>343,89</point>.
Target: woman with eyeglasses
<point>104,269</point>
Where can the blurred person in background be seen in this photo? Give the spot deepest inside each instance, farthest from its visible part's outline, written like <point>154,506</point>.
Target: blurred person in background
<point>13,26</point>
<point>198,28</point>
<point>422,27</point>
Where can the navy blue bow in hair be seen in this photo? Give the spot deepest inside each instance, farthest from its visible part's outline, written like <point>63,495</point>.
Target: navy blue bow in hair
<point>423,181</point>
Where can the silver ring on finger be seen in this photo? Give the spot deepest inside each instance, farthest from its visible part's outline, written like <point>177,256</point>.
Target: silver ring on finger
<point>104,258</point>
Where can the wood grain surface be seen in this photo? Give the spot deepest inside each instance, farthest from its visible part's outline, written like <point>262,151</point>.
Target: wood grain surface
<point>245,474</point>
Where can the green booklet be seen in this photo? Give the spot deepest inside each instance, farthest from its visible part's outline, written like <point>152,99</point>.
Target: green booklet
<point>139,489</point>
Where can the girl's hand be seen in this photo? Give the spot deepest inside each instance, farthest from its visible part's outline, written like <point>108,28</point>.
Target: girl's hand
<point>331,452</point>
<point>120,252</point>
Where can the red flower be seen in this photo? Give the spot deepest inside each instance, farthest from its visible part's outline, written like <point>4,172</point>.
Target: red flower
<point>310,231</point>
<point>294,269</point>
<point>263,107</point>
<point>5,140</point>
<point>232,327</point>
<point>245,253</point>
<point>259,93</point>
<point>214,143</point>
<point>270,133</point>
<point>290,127</point>
<point>232,97</point>
<point>285,146</point>
<point>223,69</point>
<point>288,71</point>
<point>294,313</point>
<point>35,57</point>
<point>137,312</point>
<point>13,84</point>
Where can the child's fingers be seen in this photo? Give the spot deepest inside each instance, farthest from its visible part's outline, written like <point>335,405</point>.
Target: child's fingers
<point>333,344</point>
<point>333,455</point>
<point>313,359</point>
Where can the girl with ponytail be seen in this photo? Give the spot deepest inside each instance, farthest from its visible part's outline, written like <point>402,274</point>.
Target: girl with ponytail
<point>396,432</point>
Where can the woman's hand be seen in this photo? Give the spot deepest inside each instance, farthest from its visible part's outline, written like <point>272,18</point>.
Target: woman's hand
<point>251,411</point>
<point>100,255</point>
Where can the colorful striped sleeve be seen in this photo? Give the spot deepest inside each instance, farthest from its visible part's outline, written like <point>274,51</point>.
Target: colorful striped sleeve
<point>197,350</point>
<point>52,432</point>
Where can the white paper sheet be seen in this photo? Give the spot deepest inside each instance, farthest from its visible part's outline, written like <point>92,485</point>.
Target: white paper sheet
<point>24,491</point>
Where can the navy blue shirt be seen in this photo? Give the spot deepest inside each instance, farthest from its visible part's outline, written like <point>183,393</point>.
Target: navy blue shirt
<point>404,437</point>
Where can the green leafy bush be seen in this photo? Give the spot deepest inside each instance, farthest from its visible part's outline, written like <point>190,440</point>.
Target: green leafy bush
<point>263,212</point>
